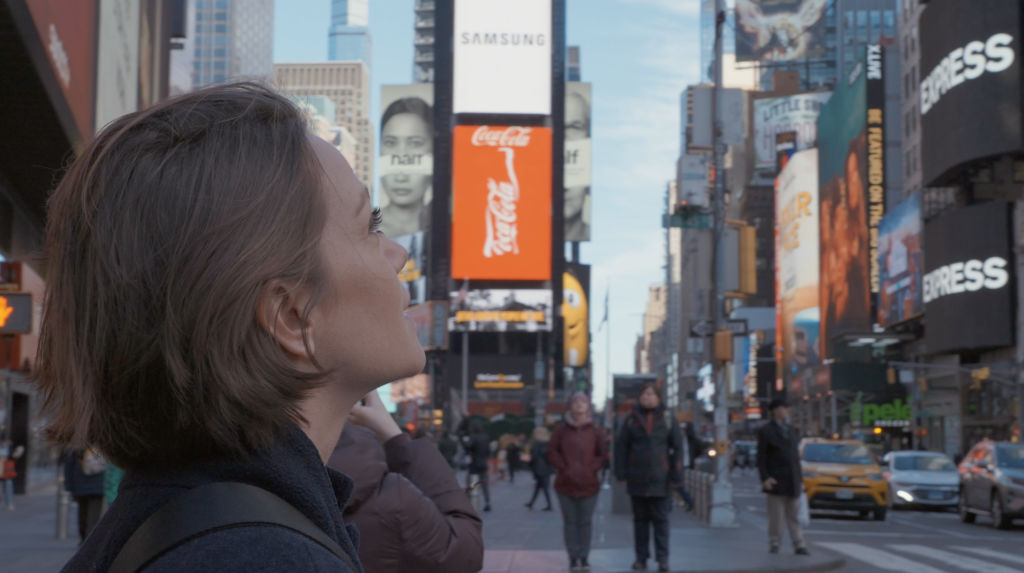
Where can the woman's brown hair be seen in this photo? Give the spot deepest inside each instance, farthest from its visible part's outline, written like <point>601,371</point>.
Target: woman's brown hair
<point>161,239</point>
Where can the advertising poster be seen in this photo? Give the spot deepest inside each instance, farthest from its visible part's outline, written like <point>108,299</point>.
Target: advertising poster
<point>797,220</point>
<point>968,288</point>
<point>970,84</point>
<point>774,116</point>
<point>406,162</point>
<point>576,315</point>
<point>842,179</point>
<point>780,30</point>
<point>901,262</point>
<point>502,57</point>
<point>501,203</point>
<point>693,179</point>
<point>577,161</point>
<point>501,310</point>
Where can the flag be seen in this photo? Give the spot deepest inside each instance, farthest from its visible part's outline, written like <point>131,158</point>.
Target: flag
<point>605,319</point>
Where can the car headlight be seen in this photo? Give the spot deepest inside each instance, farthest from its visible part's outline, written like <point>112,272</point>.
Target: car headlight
<point>875,477</point>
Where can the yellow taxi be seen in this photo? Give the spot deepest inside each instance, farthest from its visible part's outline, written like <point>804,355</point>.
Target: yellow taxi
<point>843,474</point>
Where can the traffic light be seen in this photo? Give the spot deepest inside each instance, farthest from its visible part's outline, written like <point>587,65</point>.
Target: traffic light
<point>438,420</point>
<point>723,346</point>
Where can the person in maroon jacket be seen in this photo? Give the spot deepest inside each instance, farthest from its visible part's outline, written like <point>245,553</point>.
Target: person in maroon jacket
<point>578,451</point>
<point>411,512</point>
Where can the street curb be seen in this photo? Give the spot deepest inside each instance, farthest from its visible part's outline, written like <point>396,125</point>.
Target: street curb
<point>831,565</point>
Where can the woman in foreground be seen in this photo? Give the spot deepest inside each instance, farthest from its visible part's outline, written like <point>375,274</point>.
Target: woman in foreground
<point>218,300</point>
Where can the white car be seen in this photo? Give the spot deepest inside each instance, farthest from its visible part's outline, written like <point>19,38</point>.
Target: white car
<point>921,478</point>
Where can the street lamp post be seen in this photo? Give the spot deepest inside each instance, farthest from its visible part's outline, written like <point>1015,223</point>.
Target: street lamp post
<point>723,512</point>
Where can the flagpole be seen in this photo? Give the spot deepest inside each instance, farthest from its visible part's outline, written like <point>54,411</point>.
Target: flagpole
<point>608,353</point>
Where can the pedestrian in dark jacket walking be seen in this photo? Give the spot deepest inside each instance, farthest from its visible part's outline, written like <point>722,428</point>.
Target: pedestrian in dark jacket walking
<point>411,513</point>
<point>577,450</point>
<point>540,466</point>
<point>778,463</point>
<point>647,457</point>
<point>448,447</point>
<point>84,472</point>
<point>218,299</point>
<point>512,458</point>
<point>478,447</point>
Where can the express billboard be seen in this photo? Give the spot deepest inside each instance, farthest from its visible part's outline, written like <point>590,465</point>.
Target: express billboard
<point>577,161</point>
<point>842,176</point>
<point>406,162</point>
<point>797,248</point>
<point>901,262</point>
<point>968,279</point>
<point>502,57</point>
<point>780,30</point>
<point>501,310</point>
<point>970,84</point>
<point>501,203</point>
<point>773,116</point>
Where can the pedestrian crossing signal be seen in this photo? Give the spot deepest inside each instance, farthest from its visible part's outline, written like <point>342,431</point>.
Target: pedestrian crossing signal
<point>15,313</point>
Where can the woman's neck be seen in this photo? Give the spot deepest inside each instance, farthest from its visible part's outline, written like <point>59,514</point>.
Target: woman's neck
<point>326,410</point>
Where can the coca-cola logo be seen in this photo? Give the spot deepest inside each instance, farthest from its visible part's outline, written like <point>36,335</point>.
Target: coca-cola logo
<point>507,137</point>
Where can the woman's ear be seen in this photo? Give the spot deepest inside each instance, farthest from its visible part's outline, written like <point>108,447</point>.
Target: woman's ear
<point>281,313</point>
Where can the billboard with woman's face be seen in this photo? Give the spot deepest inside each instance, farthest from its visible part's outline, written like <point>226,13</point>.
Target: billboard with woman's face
<point>577,161</point>
<point>406,163</point>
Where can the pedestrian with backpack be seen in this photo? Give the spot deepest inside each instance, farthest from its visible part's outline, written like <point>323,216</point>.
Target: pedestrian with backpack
<point>218,299</point>
<point>647,454</point>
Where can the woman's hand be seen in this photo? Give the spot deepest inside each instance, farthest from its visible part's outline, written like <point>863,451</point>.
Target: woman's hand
<point>375,417</point>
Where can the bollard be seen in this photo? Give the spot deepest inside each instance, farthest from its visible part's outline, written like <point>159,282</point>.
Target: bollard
<point>63,506</point>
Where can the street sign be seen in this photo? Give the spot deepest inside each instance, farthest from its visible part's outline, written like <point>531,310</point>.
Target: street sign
<point>702,328</point>
<point>686,220</point>
<point>737,326</point>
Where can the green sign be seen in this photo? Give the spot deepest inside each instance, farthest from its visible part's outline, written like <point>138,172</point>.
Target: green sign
<point>687,220</point>
<point>880,414</point>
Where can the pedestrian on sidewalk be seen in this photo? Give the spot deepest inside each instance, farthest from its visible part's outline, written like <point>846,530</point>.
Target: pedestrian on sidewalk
<point>84,472</point>
<point>218,300</point>
<point>9,456</point>
<point>478,446</point>
<point>647,458</point>
<point>778,463</point>
<point>540,466</point>
<point>512,455</point>
<point>577,450</point>
<point>411,512</point>
<point>448,447</point>
<point>692,448</point>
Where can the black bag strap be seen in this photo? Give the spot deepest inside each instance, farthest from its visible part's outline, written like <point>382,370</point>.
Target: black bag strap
<point>213,507</point>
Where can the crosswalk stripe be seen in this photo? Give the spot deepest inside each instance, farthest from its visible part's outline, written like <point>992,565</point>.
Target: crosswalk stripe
<point>954,559</point>
<point>992,554</point>
<point>879,558</point>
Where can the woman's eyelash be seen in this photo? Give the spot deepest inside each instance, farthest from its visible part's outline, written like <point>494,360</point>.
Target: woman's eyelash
<point>376,219</point>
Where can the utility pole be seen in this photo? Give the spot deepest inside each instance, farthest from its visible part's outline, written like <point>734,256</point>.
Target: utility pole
<point>1018,227</point>
<point>723,512</point>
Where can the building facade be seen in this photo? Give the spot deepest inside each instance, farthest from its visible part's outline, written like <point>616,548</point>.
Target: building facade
<point>423,42</point>
<point>233,39</point>
<point>347,86</point>
<point>349,35</point>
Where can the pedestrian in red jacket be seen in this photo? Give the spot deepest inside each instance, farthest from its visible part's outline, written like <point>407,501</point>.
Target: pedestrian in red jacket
<point>578,451</point>
<point>411,512</point>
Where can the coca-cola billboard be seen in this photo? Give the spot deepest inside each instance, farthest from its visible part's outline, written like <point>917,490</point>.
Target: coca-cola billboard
<point>501,203</point>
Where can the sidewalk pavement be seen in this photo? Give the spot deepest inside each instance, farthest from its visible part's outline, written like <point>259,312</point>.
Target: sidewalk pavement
<point>518,540</point>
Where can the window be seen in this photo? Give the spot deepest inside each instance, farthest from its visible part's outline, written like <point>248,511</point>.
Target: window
<point>220,53</point>
<point>220,65</point>
<point>889,19</point>
<point>862,26</point>
<point>221,28</point>
<point>906,124</point>
<point>876,27</point>
<point>220,16</point>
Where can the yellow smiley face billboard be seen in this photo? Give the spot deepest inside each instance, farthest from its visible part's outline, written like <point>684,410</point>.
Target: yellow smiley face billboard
<point>576,314</point>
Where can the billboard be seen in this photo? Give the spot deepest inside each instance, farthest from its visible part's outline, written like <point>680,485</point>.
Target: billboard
<point>797,247</point>
<point>970,84</point>
<point>491,376</point>
<point>502,57</point>
<point>968,279</point>
<point>414,274</point>
<point>693,179</point>
<point>780,30</point>
<point>501,310</point>
<point>901,262</point>
<point>773,116</point>
<point>576,315</point>
<point>577,161</point>
<point>842,174</point>
<point>67,31</point>
<point>406,162</point>
<point>501,203</point>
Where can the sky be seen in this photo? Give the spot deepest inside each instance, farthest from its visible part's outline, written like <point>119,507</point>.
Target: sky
<point>639,55</point>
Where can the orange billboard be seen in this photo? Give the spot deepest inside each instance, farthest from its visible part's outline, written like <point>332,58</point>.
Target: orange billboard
<point>501,203</point>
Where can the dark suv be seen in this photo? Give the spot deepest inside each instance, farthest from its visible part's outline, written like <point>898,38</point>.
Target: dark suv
<point>992,483</point>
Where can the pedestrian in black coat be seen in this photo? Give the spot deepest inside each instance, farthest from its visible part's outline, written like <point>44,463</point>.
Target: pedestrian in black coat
<point>478,447</point>
<point>778,463</point>
<point>512,458</point>
<point>647,457</point>
<point>84,481</point>
<point>541,467</point>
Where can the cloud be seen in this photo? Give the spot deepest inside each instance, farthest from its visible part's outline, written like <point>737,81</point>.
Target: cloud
<point>677,7</point>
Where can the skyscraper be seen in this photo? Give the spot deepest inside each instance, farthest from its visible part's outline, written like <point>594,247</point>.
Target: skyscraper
<point>423,64</point>
<point>234,39</point>
<point>574,66</point>
<point>349,36</point>
<point>347,86</point>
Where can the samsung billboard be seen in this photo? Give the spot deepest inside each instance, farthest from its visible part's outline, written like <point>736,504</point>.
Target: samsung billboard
<point>970,93</point>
